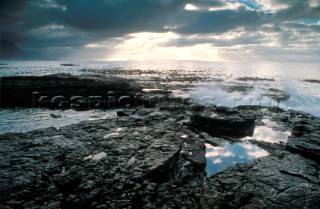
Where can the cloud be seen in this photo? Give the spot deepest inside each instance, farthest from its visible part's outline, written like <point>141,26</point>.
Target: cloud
<point>47,24</point>
<point>219,21</point>
<point>224,29</point>
<point>115,16</point>
<point>258,153</point>
<point>9,8</point>
<point>272,5</point>
<point>9,14</point>
<point>297,9</point>
<point>232,38</point>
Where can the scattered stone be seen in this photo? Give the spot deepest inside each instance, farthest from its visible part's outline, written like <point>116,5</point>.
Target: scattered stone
<point>236,88</point>
<point>122,113</point>
<point>68,64</point>
<point>312,80</point>
<point>55,115</point>
<point>254,79</point>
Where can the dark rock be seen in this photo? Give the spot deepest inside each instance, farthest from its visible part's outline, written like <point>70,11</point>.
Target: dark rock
<point>61,90</point>
<point>298,130</point>
<point>68,64</point>
<point>277,95</point>
<point>271,182</point>
<point>305,138</point>
<point>144,111</point>
<point>221,124</point>
<point>121,113</point>
<point>197,107</point>
<point>55,115</point>
<point>312,80</point>
<point>116,163</point>
<point>236,88</point>
<point>306,146</point>
<point>157,91</point>
<point>254,79</point>
<point>303,125</point>
<point>149,160</point>
<point>229,110</point>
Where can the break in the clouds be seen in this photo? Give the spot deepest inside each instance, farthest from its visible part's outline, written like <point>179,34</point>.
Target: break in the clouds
<point>215,30</point>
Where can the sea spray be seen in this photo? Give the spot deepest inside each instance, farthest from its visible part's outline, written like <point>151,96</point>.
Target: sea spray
<point>302,101</point>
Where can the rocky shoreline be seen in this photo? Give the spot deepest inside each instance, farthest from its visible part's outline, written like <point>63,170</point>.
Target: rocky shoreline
<point>154,156</point>
<point>65,91</point>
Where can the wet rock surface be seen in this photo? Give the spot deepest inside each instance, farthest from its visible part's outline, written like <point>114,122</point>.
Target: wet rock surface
<point>155,158</point>
<point>135,161</point>
<point>269,182</point>
<point>305,138</point>
<point>222,121</point>
<point>60,90</point>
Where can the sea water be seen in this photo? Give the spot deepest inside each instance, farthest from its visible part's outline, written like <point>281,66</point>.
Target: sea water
<point>288,77</point>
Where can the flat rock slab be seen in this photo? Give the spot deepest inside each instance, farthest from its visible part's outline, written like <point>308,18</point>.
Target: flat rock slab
<point>224,123</point>
<point>100,164</point>
<point>25,91</point>
<point>306,138</point>
<point>270,182</point>
<point>150,158</point>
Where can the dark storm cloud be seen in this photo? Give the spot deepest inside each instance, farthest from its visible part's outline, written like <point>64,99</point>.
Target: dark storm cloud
<point>9,8</point>
<point>56,28</point>
<point>81,21</point>
<point>103,17</point>
<point>117,17</point>
<point>303,27</point>
<point>122,15</point>
<point>297,9</point>
<point>90,16</point>
<point>221,21</point>
<point>204,4</point>
<point>9,14</point>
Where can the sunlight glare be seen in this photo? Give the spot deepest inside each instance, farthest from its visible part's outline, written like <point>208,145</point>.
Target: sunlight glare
<point>152,46</point>
<point>190,7</point>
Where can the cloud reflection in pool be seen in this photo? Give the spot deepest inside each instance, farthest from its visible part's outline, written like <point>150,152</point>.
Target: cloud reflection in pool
<point>267,134</point>
<point>219,158</point>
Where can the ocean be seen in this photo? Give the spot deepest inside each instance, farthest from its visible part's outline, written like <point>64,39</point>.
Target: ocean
<point>222,86</point>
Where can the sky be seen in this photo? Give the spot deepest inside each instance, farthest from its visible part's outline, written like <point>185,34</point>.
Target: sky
<point>209,30</point>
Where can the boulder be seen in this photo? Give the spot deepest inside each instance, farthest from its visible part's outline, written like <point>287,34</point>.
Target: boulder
<point>305,146</point>
<point>122,113</point>
<point>224,123</point>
